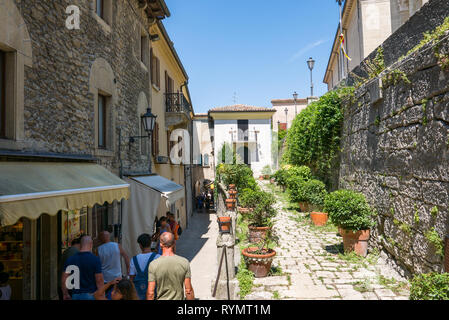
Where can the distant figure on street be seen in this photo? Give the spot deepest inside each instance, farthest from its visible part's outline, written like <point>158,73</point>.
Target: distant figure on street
<point>110,253</point>
<point>170,275</point>
<point>122,289</point>
<point>70,251</point>
<point>5,288</point>
<point>138,270</point>
<point>89,266</point>
<point>174,226</point>
<point>164,227</point>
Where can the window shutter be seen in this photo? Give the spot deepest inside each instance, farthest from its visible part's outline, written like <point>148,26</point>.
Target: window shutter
<point>155,140</point>
<point>166,82</point>
<point>151,65</point>
<point>158,73</point>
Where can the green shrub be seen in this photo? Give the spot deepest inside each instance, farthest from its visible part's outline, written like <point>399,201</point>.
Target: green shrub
<point>263,208</point>
<point>314,137</point>
<point>349,210</point>
<point>311,191</point>
<point>239,174</point>
<point>280,177</point>
<point>430,286</point>
<point>266,170</point>
<point>245,278</point>
<point>248,198</point>
<point>295,174</point>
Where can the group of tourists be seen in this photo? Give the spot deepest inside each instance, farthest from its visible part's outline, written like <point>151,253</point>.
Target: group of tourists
<point>157,273</point>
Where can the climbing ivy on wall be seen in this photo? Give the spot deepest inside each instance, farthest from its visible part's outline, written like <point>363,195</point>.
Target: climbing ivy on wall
<point>314,137</point>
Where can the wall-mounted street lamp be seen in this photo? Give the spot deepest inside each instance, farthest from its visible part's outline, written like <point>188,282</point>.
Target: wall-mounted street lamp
<point>311,64</point>
<point>295,97</point>
<point>148,120</point>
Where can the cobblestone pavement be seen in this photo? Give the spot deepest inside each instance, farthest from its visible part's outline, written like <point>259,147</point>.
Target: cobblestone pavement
<point>313,266</point>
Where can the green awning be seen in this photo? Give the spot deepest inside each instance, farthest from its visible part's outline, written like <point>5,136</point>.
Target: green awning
<point>29,189</point>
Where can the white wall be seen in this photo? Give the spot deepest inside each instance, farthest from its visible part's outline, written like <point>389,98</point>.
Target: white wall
<point>222,134</point>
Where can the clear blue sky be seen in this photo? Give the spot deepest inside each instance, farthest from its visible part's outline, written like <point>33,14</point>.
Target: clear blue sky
<point>255,48</point>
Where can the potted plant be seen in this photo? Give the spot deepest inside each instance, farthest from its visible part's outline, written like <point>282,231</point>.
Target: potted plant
<point>314,194</point>
<point>232,193</point>
<point>266,172</point>
<point>260,216</point>
<point>230,204</point>
<point>259,258</point>
<point>280,177</point>
<point>350,210</point>
<point>225,223</point>
<point>246,202</point>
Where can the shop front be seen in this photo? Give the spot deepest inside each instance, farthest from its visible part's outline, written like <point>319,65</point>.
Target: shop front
<point>141,209</point>
<point>43,206</point>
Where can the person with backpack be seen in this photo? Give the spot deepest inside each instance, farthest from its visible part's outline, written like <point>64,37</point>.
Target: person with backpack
<point>138,270</point>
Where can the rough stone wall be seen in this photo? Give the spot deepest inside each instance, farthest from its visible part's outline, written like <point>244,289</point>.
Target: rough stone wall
<point>395,149</point>
<point>59,109</point>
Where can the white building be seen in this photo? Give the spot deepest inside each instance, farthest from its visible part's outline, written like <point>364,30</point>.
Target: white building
<point>248,130</point>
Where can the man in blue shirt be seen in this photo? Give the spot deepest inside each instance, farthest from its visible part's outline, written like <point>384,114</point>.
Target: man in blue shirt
<point>87,267</point>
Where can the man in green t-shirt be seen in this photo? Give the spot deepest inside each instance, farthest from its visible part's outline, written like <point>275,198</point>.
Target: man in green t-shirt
<point>170,274</point>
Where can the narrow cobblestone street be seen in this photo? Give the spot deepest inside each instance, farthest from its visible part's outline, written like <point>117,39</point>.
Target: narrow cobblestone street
<point>197,244</point>
<point>314,266</point>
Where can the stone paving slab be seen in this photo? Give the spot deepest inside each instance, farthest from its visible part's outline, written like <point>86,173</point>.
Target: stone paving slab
<point>314,268</point>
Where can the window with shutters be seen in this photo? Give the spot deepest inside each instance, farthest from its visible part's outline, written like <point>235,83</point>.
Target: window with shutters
<point>155,70</point>
<point>155,140</point>
<point>169,84</point>
<point>206,160</point>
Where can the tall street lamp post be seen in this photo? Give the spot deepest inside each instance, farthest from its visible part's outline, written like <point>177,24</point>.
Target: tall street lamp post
<point>295,97</point>
<point>311,64</point>
<point>286,121</point>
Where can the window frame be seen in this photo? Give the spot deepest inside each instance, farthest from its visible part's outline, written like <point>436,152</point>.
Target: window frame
<point>101,7</point>
<point>155,70</point>
<point>102,116</point>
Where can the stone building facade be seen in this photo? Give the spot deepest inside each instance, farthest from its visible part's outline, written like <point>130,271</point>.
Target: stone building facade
<point>395,145</point>
<point>74,94</point>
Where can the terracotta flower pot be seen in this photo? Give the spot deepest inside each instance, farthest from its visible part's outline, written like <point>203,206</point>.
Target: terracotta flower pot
<point>256,234</point>
<point>446,255</point>
<point>232,194</point>
<point>356,241</point>
<point>304,206</point>
<point>230,204</point>
<point>259,264</point>
<point>266,176</point>
<point>225,223</point>
<point>272,181</point>
<point>319,218</point>
<point>260,177</point>
<point>231,187</point>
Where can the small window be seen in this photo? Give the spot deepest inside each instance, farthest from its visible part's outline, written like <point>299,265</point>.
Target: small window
<point>206,160</point>
<point>99,8</point>
<point>144,46</point>
<point>155,70</point>
<point>101,122</point>
<point>2,95</point>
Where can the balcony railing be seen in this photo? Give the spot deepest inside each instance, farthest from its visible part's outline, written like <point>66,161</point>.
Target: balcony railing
<point>176,102</point>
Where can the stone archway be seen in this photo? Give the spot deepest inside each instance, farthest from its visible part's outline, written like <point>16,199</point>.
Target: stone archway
<point>15,42</point>
<point>102,82</point>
